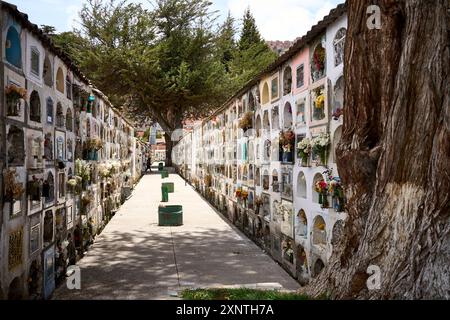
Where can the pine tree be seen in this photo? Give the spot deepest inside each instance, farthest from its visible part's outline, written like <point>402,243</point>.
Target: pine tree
<point>250,35</point>
<point>226,44</point>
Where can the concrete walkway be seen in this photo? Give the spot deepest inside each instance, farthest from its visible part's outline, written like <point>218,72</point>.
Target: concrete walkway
<point>133,258</point>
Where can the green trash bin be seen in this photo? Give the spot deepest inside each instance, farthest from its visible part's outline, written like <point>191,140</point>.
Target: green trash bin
<point>164,174</point>
<point>160,166</point>
<point>170,215</point>
<point>165,194</point>
<point>170,186</point>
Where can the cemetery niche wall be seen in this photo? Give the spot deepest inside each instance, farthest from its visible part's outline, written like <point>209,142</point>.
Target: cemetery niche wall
<point>50,111</point>
<point>279,182</point>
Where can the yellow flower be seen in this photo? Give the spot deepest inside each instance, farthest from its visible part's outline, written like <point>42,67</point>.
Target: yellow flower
<point>320,101</point>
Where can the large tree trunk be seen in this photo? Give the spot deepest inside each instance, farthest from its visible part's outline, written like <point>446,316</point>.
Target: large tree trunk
<point>394,156</point>
<point>169,146</point>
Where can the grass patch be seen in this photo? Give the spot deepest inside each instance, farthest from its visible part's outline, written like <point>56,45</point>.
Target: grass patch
<point>240,294</point>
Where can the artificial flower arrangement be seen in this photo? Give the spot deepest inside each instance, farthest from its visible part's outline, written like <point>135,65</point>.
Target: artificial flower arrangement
<point>14,92</point>
<point>208,180</point>
<point>319,101</point>
<point>336,114</point>
<point>104,170</point>
<point>13,190</point>
<point>320,146</point>
<point>287,139</point>
<point>87,199</point>
<point>319,58</point>
<point>246,121</point>
<point>337,191</point>
<point>304,149</point>
<point>321,187</point>
<point>72,183</point>
<point>83,170</point>
<point>244,194</point>
<point>238,193</point>
<point>94,144</point>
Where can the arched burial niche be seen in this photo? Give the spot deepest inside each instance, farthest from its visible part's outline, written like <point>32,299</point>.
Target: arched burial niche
<point>13,47</point>
<point>275,183</point>
<point>318,62</point>
<point>60,80</point>
<point>60,121</point>
<point>338,46</point>
<point>336,138</point>
<point>319,236</point>
<point>48,188</point>
<point>318,267</point>
<point>275,118</point>
<point>16,148</point>
<point>251,102</point>
<point>266,123</point>
<point>33,276</point>
<point>301,263</point>
<point>258,125</point>
<point>287,116</point>
<point>258,177</point>
<point>316,195</point>
<point>265,94</point>
<point>287,80</point>
<point>48,227</point>
<point>338,98</point>
<point>35,107</point>
<point>48,72</point>
<point>15,291</point>
<point>69,120</point>
<point>301,185</point>
<point>301,227</point>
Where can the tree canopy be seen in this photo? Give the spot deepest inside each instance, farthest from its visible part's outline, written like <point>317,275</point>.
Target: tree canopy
<point>168,63</point>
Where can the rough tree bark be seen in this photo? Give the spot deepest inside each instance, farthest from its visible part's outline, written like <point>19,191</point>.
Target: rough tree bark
<point>394,156</point>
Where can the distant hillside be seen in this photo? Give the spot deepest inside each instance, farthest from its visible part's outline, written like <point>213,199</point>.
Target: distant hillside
<point>279,47</point>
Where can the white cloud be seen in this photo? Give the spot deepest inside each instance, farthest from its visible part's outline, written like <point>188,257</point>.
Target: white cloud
<point>283,19</point>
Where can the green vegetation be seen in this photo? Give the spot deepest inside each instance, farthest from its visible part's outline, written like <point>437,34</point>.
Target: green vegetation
<point>240,294</point>
<point>169,63</point>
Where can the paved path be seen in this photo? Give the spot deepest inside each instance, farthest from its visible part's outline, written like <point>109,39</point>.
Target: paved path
<point>133,258</point>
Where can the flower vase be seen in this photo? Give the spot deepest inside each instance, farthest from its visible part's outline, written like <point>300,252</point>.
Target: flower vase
<point>320,198</point>
<point>287,156</point>
<point>323,157</point>
<point>325,203</point>
<point>305,159</point>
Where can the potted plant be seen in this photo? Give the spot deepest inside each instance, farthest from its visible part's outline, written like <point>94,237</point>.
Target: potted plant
<point>320,146</point>
<point>304,150</point>
<point>287,139</point>
<point>246,121</point>
<point>14,94</point>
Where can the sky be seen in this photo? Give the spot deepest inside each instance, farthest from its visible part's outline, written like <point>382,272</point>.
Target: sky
<point>276,19</point>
